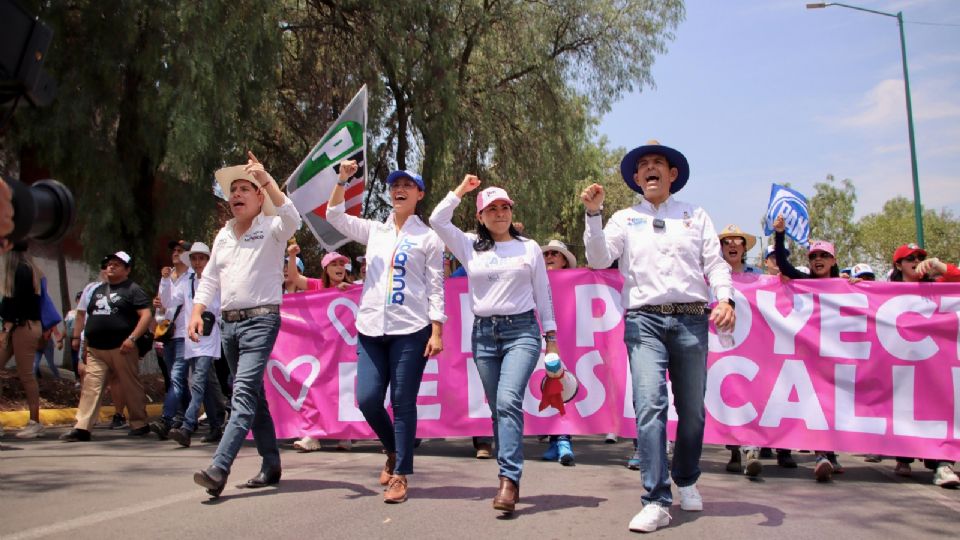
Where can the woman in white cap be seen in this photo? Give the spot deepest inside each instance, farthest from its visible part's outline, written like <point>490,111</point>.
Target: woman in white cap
<point>509,287</point>
<point>401,315</point>
<point>557,256</point>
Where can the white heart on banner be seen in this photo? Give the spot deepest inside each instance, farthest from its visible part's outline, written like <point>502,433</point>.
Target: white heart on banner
<point>348,338</point>
<point>287,370</point>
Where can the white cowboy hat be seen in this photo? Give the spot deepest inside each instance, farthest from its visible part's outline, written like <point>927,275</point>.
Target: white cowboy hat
<point>733,230</point>
<point>228,175</point>
<point>196,247</point>
<point>557,245</point>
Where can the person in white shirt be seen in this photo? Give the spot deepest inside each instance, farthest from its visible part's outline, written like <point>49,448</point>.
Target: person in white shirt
<point>508,287</point>
<point>199,355</point>
<point>243,272</point>
<point>179,277</point>
<point>668,251</point>
<point>400,320</point>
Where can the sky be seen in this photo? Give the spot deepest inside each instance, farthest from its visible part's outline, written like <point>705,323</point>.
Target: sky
<point>756,92</point>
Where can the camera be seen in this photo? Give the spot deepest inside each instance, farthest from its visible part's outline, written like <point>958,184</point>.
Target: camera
<point>45,210</point>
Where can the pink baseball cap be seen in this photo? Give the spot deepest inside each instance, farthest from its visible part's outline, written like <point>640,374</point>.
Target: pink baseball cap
<point>824,246</point>
<point>333,256</point>
<point>491,194</point>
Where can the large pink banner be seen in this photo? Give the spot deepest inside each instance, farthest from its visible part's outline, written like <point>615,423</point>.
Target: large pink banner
<point>817,364</point>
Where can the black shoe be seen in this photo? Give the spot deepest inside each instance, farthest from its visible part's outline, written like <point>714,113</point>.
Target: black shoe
<point>734,465</point>
<point>213,478</point>
<point>181,436</point>
<point>766,453</point>
<point>214,436</point>
<point>266,477</point>
<point>118,422</point>
<point>785,460</point>
<point>76,435</point>
<point>139,432</point>
<point>161,428</point>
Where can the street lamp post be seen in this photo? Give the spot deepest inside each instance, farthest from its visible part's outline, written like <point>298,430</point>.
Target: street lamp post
<point>917,208</point>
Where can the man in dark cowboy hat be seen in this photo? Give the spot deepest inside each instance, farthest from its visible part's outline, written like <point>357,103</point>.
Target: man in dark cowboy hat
<point>666,248</point>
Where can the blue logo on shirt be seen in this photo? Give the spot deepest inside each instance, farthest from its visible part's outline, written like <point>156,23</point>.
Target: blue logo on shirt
<point>636,221</point>
<point>400,258</point>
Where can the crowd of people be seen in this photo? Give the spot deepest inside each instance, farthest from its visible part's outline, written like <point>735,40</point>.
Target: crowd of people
<point>218,316</point>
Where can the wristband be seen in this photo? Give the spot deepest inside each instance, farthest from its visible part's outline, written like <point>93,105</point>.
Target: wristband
<point>343,183</point>
<point>550,338</point>
<point>592,213</point>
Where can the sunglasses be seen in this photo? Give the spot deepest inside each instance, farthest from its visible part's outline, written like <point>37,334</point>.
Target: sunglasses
<point>734,241</point>
<point>913,258</point>
<point>551,253</point>
<point>819,255</point>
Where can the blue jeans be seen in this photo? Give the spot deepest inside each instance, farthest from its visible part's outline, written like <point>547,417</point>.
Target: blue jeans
<point>658,344</point>
<point>399,362</point>
<point>506,350</point>
<point>47,353</point>
<point>246,346</point>
<point>178,395</point>
<point>203,391</point>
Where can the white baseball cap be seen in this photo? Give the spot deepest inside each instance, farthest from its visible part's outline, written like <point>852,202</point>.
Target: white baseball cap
<point>487,196</point>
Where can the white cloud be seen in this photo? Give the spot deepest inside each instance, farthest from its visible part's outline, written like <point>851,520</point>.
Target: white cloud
<point>884,105</point>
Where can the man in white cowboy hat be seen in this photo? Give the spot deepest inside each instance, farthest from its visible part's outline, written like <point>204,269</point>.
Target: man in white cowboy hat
<point>668,251</point>
<point>244,275</point>
<point>199,355</point>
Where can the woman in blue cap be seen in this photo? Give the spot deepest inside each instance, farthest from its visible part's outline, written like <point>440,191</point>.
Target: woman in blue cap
<point>401,315</point>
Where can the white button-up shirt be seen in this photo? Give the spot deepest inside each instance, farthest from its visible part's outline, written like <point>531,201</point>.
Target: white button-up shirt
<point>403,290</point>
<point>666,266</point>
<point>180,293</point>
<point>247,271</point>
<point>509,279</point>
<point>182,318</point>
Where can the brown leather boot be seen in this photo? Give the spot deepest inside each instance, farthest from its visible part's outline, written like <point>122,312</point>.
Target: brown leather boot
<point>508,496</point>
<point>396,489</point>
<point>387,471</point>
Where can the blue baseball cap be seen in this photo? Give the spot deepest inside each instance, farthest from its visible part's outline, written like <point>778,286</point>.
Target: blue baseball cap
<point>416,178</point>
<point>628,166</point>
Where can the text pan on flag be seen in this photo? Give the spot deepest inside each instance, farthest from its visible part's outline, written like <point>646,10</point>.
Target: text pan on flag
<point>792,205</point>
<point>313,180</point>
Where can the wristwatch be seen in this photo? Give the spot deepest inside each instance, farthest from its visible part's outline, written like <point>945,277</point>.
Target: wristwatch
<point>595,213</point>
<point>343,183</point>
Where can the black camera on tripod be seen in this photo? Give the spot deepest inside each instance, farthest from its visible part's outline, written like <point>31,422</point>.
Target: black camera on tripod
<point>45,210</point>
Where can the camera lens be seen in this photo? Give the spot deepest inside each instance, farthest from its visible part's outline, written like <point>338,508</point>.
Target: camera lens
<point>43,211</point>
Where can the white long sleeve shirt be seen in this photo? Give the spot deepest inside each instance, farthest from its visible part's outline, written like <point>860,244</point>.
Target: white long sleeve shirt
<point>181,293</point>
<point>509,279</point>
<point>403,290</point>
<point>667,266</point>
<point>180,324</point>
<point>247,271</point>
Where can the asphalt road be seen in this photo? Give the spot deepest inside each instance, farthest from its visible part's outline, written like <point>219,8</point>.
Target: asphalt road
<point>117,487</point>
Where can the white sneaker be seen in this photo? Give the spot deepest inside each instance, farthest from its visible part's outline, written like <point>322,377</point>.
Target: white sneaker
<point>31,431</point>
<point>690,499</point>
<point>945,477</point>
<point>345,444</point>
<point>652,517</point>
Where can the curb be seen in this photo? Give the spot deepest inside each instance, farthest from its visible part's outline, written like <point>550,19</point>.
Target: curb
<point>55,417</point>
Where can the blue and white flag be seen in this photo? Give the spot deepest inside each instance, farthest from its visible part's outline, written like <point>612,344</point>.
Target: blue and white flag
<point>792,205</point>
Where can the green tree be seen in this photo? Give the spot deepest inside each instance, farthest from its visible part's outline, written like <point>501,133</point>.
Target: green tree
<point>882,232</point>
<point>832,218</point>
<point>153,96</point>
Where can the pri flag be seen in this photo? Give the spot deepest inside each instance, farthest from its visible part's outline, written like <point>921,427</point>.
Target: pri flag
<point>792,205</point>
<point>312,182</point>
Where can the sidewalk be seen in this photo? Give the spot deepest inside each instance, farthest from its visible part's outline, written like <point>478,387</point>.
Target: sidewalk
<point>66,416</point>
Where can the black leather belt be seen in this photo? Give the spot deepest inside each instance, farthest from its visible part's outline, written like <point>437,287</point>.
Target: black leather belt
<point>688,308</point>
<point>236,315</point>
